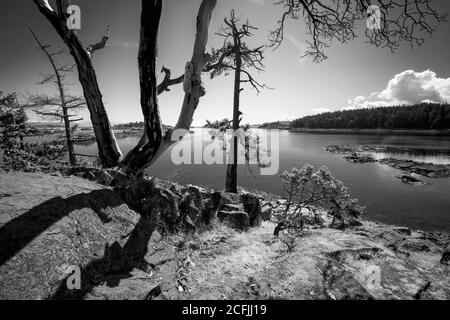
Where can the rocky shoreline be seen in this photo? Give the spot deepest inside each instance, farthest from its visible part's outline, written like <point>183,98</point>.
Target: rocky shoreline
<point>363,154</point>
<point>139,237</point>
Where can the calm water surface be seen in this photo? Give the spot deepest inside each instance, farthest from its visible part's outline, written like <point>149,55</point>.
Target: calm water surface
<point>387,199</point>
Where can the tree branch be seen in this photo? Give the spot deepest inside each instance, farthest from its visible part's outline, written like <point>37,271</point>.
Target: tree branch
<point>167,82</point>
<point>99,45</point>
<point>401,21</point>
<point>75,120</point>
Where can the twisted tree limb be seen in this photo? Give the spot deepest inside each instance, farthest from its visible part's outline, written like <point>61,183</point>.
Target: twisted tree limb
<point>167,82</point>
<point>153,144</point>
<point>99,45</point>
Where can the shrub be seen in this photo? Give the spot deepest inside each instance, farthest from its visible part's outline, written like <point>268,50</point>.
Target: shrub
<point>305,189</point>
<point>12,120</point>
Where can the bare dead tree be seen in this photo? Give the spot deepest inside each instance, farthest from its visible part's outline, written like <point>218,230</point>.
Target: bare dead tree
<point>109,151</point>
<point>235,55</point>
<point>62,106</point>
<point>400,21</point>
<point>153,143</point>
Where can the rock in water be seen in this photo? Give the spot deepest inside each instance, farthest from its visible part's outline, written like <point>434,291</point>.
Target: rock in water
<point>356,157</point>
<point>409,179</point>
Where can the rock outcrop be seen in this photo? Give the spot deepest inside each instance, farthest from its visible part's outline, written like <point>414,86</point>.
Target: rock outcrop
<point>246,203</point>
<point>235,219</point>
<point>50,224</point>
<point>266,211</point>
<point>253,208</point>
<point>446,256</point>
<point>357,157</point>
<point>120,240</point>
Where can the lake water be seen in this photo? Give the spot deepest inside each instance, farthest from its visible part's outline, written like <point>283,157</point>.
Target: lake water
<point>387,199</point>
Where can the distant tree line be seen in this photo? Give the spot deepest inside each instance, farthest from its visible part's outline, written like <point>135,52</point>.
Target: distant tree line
<point>137,124</point>
<point>422,116</point>
<point>276,125</point>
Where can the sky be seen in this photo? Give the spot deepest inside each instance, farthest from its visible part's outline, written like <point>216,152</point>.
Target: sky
<point>355,75</point>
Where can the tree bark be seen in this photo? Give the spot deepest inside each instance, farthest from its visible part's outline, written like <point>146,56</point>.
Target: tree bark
<point>153,144</point>
<point>62,96</point>
<point>72,158</point>
<point>231,179</point>
<point>137,159</point>
<point>108,148</point>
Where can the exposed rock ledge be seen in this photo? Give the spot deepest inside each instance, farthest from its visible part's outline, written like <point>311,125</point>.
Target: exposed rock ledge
<point>49,223</point>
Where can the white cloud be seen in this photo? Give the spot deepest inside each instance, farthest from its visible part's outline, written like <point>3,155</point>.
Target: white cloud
<point>406,88</point>
<point>320,110</point>
<point>283,119</point>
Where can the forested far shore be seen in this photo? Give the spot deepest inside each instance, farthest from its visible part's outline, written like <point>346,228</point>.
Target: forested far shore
<point>424,116</point>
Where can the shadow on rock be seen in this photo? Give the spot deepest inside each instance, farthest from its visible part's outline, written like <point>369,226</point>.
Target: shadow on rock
<point>118,261</point>
<point>19,232</point>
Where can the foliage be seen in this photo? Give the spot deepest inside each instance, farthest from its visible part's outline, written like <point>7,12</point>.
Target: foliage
<point>305,190</point>
<point>421,116</point>
<point>247,138</point>
<point>36,157</point>
<point>220,125</point>
<point>12,120</point>
<point>289,239</point>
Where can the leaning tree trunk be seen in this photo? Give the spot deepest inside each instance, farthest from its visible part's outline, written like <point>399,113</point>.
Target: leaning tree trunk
<point>231,180</point>
<point>153,143</point>
<point>108,148</point>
